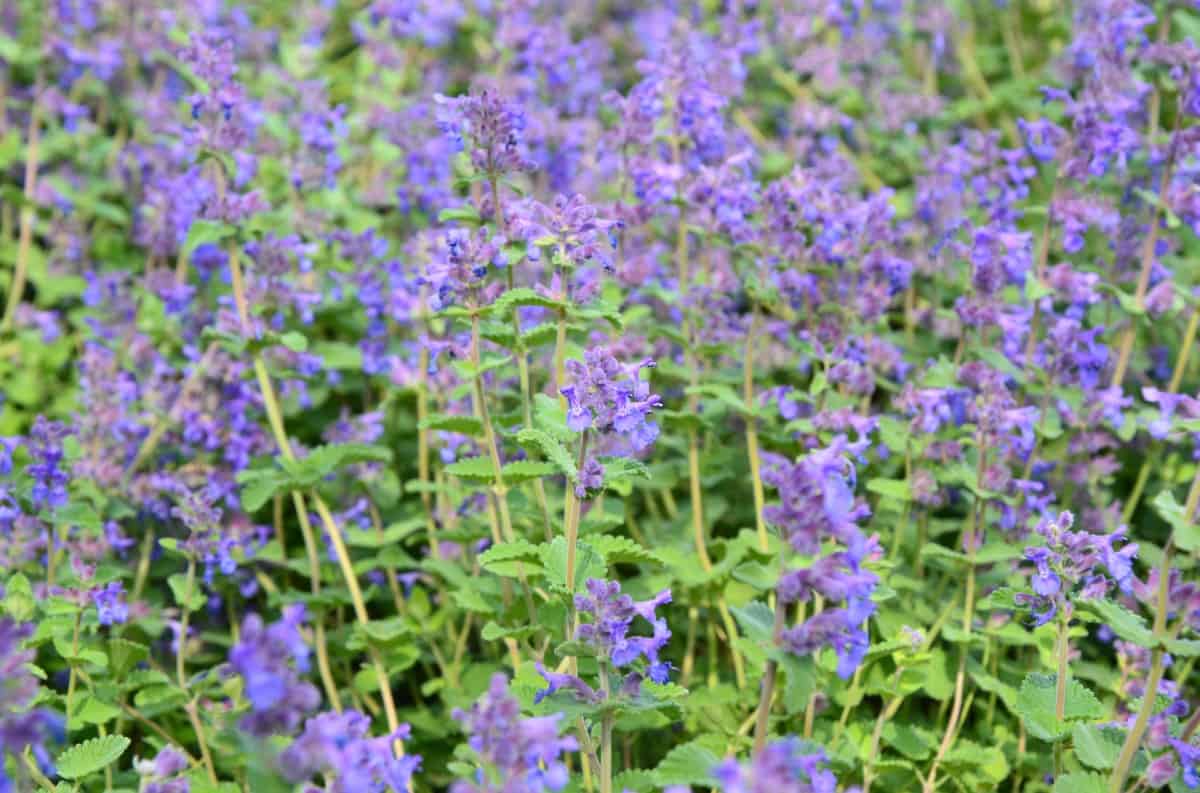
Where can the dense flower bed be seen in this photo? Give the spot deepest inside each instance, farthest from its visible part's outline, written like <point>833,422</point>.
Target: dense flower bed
<point>511,396</point>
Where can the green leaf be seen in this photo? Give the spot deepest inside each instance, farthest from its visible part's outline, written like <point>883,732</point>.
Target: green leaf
<point>472,468</point>
<point>757,621</point>
<point>296,342</point>
<point>91,710</point>
<point>553,450</point>
<point>588,563</point>
<point>895,489</point>
<point>124,655</point>
<point>324,460</point>
<point>492,631</point>
<point>524,470</point>
<point>90,756</point>
<point>18,598</point>
<point>523,296</point>
<point>1186,532</point>
<point>1035,706</point>
<point>193,600</point>
<point>464,425</point>
<point>615,548</point>
<point>1097,747</point>
<point>1122,621</point>
<point>687,764</point>
<point>1081,782</point>
<point>202,232</point>
<point>462,214</point>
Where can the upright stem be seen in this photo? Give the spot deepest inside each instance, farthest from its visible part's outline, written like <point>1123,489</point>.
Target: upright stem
<point>762,720</point>
<point>28,211</point>
<point>1143,282</point>
<point>760,523</point>
<point>606,730</point>
<point>314,577</point>
<point>275,420</point>
<point>73,673</point>
<point>1133,740</point>
<point>1064,648</point>
<point>181,670</point>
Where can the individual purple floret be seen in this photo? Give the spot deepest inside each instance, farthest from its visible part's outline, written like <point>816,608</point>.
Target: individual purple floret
<point>1071,564</point>
<point>162,774</point>
<point>270,660</point>
<point>784,766</point>
<point>111,608</point>
<point>338,747</point>
<point>516,755</point>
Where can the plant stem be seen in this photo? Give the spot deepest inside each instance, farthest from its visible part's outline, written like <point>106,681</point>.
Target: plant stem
<point>760,523</point>
<point>16,288</point>
<point>275,420</point>
<point>185,614</point>
<point>885,715</point>
<point>1133,739</point>
<point>1148,251</point>
<point>73,673</point>
<point>314,577</point>
<point>768,687</point>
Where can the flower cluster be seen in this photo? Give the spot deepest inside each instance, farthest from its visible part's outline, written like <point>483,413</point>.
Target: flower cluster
<point>270,660</point>
<point>339,748</point>
<point>515,754</point>
<point>1073,564</point>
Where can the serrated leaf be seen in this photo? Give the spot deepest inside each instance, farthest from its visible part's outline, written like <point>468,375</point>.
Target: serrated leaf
<point>523,296</point>
<point>518,549</point>
<point>91,710</point>
<point>551,448</point>
<point>757,621</point>
<point>688,764</point>
<point>90,756</point>
<point>520,471</point>
<point>479,468</point>
<point>464,425</point>
<point>1081,782</point>
<point>124,655</point>
<point>615,548</point>
<point>492,632</point>
<point>462,214</point>
<point>1186,533</point>
<point>1097,747</point>
<point>1122,621</point>
<point>1035,706</point>
<point>588,563</point>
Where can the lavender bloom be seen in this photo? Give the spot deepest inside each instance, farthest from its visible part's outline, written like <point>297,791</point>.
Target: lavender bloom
<point>816,495</point>
<point>612,614</point>
<point>111,607</point>
<point>21,727</point>
<point>524,755</point>
<point>610,397</point>
<point>162,774</point>
<point>1070,564</point>
<point>1189,760</point>
<point>269,659</point>
<point>490,126</point>
<point>467,260</point>
<point>49,479</point>
<point>338,747</point>
<point>573,227</point>
<point>784,766</point>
